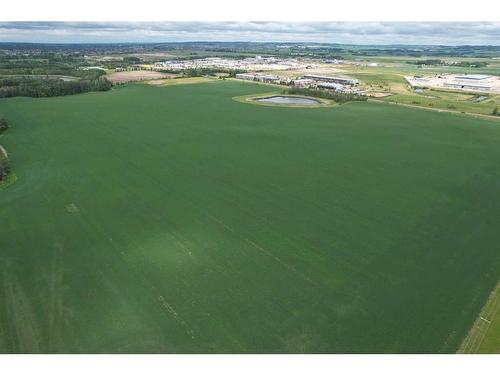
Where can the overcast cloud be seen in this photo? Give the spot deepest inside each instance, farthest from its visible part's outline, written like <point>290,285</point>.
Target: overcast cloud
<point>456,33</point>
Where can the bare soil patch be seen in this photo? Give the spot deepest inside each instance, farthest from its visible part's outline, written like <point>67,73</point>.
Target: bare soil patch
<point>137,75</point>
<point>379,94</point>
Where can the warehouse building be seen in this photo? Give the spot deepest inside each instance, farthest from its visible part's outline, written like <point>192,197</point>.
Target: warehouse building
<point>303,82</point>
<point>467,86</point>
<point>267,78</point>
<point>465,82</point>
<point>473,77</point>
<point>331,86</point>
<point>246,76</point>
<point>342,81</point>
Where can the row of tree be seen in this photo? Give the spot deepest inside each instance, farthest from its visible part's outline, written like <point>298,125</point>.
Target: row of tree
<point>4,161</point>
<point>338,97</point>
<point>46,86</point>
<point>464,64</point>
<point>200,72</point>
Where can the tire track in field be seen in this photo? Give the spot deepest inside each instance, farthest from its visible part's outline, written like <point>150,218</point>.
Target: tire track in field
<point>260,248</point>
<point>221,223</point>
<point>141,277</point>
<point>20,318</point>
<point>170,310</point>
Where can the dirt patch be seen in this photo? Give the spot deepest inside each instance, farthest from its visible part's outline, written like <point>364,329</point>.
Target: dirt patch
<point>137,75</point>
<point>379,94</point>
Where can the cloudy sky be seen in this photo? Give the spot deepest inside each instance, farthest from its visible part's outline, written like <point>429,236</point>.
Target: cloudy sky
<point>456,33</point>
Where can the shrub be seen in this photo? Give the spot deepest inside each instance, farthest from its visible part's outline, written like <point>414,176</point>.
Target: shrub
<point>4,167</point>
<point>4,125</point>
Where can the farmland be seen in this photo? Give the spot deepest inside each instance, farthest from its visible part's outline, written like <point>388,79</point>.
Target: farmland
<point>178,220</point>
<point>136,75</point>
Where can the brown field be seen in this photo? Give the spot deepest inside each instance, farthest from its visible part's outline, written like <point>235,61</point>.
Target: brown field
<point>137,75</point>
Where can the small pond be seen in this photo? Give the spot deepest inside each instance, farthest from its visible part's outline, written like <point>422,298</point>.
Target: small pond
<point>294,100</point>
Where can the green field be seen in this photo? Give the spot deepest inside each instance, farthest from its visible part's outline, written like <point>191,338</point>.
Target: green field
<point>491,342</point>
<point>176,219</point>
<point>484,336</point>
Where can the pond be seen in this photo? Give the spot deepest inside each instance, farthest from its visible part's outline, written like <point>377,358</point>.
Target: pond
<point>294,100</point>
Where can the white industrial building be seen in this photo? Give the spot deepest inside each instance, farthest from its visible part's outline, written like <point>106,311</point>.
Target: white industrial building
<point>331,86</point>
<point>465,82</point>
<point>303,82</point>
<point>268,78</point>
<point>246,76</point>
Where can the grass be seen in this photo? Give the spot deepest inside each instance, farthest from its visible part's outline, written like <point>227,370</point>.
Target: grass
<point>484,336</point>
<point>9,180</point>
<point>176,219</point>
<point>491,340</point>
<point>391,79</point>
<point>180,81</point>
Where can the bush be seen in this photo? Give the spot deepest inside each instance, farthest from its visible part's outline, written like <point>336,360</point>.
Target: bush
<point>495,111</point>
<point>4,125</point>
<point>4,167</point>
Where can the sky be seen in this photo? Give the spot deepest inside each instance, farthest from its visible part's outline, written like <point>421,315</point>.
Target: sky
<point>429,33</point>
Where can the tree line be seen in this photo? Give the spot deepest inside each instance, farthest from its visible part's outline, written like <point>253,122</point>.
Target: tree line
<point>37,87</point>
<point>200,72</point>
<point>464,64</point>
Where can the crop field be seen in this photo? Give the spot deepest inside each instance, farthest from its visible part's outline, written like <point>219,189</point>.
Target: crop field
<point>484,336</point>
<point>178,220</point>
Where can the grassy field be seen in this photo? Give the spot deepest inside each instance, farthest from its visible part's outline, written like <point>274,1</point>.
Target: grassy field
<point>391,79</point>
<point>180,81</point>
<point>176,219</point>
<point>484,336</point>
<point>491,341</point>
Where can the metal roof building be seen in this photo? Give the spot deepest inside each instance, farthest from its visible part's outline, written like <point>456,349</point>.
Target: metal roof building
<point>343,81</point>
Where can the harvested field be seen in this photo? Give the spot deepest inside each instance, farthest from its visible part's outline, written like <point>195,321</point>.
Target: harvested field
<point>136,76</point>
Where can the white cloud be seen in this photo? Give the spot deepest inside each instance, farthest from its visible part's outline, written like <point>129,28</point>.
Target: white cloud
<point>456,33</point>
